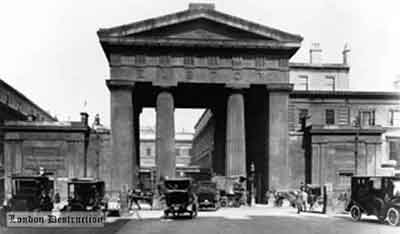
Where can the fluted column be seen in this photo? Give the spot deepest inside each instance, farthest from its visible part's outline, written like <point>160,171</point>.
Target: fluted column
<point>165,135</point>
<point>235,136</point>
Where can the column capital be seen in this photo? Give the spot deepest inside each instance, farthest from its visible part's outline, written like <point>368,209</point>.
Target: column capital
<point>120,84</point>
<point>278,87</point>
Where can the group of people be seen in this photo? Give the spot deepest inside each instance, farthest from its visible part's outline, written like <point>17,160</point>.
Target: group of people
<point>302,199</point>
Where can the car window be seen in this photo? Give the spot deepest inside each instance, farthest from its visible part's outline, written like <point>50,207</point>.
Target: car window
<point>396,188</point>
<point>376,183</point>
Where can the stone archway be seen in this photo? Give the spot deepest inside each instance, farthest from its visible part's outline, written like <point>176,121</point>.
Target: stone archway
<point>202,58</point>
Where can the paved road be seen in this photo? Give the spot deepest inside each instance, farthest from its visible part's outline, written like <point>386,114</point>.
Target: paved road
<point>229,221</point>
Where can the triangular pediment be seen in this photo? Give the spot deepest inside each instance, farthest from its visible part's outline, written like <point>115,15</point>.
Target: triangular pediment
<point>200,29</point>
<point>199,23</point>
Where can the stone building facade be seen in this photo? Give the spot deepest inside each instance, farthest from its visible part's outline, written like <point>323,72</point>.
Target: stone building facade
<point>322,112</point>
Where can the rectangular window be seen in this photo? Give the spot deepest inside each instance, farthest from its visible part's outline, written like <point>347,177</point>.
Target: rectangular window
<point>303,113</point>
<point>393,150</point>
<point>302,83</point>
<point>367,118</point>
<point>148,151</point>
<point>177,151</point>
<point>395,118</point>
<point>330,116</point>
<point>330,83</point>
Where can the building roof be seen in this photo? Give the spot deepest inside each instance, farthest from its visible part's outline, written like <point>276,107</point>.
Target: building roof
<point>155,32</point>
<point>44,126</point>
<point>197,11</point>
<point>10,89</point>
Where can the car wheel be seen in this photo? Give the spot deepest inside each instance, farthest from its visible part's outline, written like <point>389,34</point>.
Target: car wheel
<point>355,212</point>
<point>223,203</point>
<point>393,216</point>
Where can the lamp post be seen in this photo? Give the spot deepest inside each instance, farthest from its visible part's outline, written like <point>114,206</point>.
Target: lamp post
<point>357,125</point>
<point>252,193</point>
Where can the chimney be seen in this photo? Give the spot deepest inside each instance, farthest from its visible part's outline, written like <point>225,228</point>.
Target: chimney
<point>85,118</point>
<point>315,53</point>
<point>201,6</point>
<point>396,83</point>
<point>345,53</point>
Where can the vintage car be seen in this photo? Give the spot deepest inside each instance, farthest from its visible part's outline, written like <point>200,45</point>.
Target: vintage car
<point>30,193</point>
<point>207,195</point>
<point>378,196</point>
<point>85,194</point>
<point>179,197</point>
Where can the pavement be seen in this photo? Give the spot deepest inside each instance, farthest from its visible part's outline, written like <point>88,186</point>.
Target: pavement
<point>257,219</point>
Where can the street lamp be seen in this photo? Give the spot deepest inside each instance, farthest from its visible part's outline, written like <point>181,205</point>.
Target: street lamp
<point>357,125</point>
<point>252,193</point>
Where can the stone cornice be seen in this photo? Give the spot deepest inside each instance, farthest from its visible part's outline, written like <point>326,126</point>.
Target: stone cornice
<point>120,84</point>
<point>284,87</point>
<point>322,66</point>
<point>346,94</point>
<point>201,43</point>
<point>347,131</point>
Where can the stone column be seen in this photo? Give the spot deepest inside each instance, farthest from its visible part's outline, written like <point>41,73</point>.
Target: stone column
<point>235,136</point>
<point>218,158</point>
<point>124,166</point>
<point>165,135</point>
<point>278,135</point>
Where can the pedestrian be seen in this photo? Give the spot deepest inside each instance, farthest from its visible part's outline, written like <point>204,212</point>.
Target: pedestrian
<point>267,196</point>
<point>301,200</point>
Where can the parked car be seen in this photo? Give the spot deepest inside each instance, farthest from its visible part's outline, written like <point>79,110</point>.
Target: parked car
<point>378,196</point>
<point>179,197</point>
<point>30,193</point>
<point>85,194</point>
<point>207,195</point>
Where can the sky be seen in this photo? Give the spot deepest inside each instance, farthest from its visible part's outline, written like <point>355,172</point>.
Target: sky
<point>50,52</point>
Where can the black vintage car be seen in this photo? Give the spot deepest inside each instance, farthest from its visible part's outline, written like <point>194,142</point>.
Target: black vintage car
<point>179,197</point>
<point>31,193</point>
<point>378,196</point>
<point>85,195</point>
<point>207,195</point>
